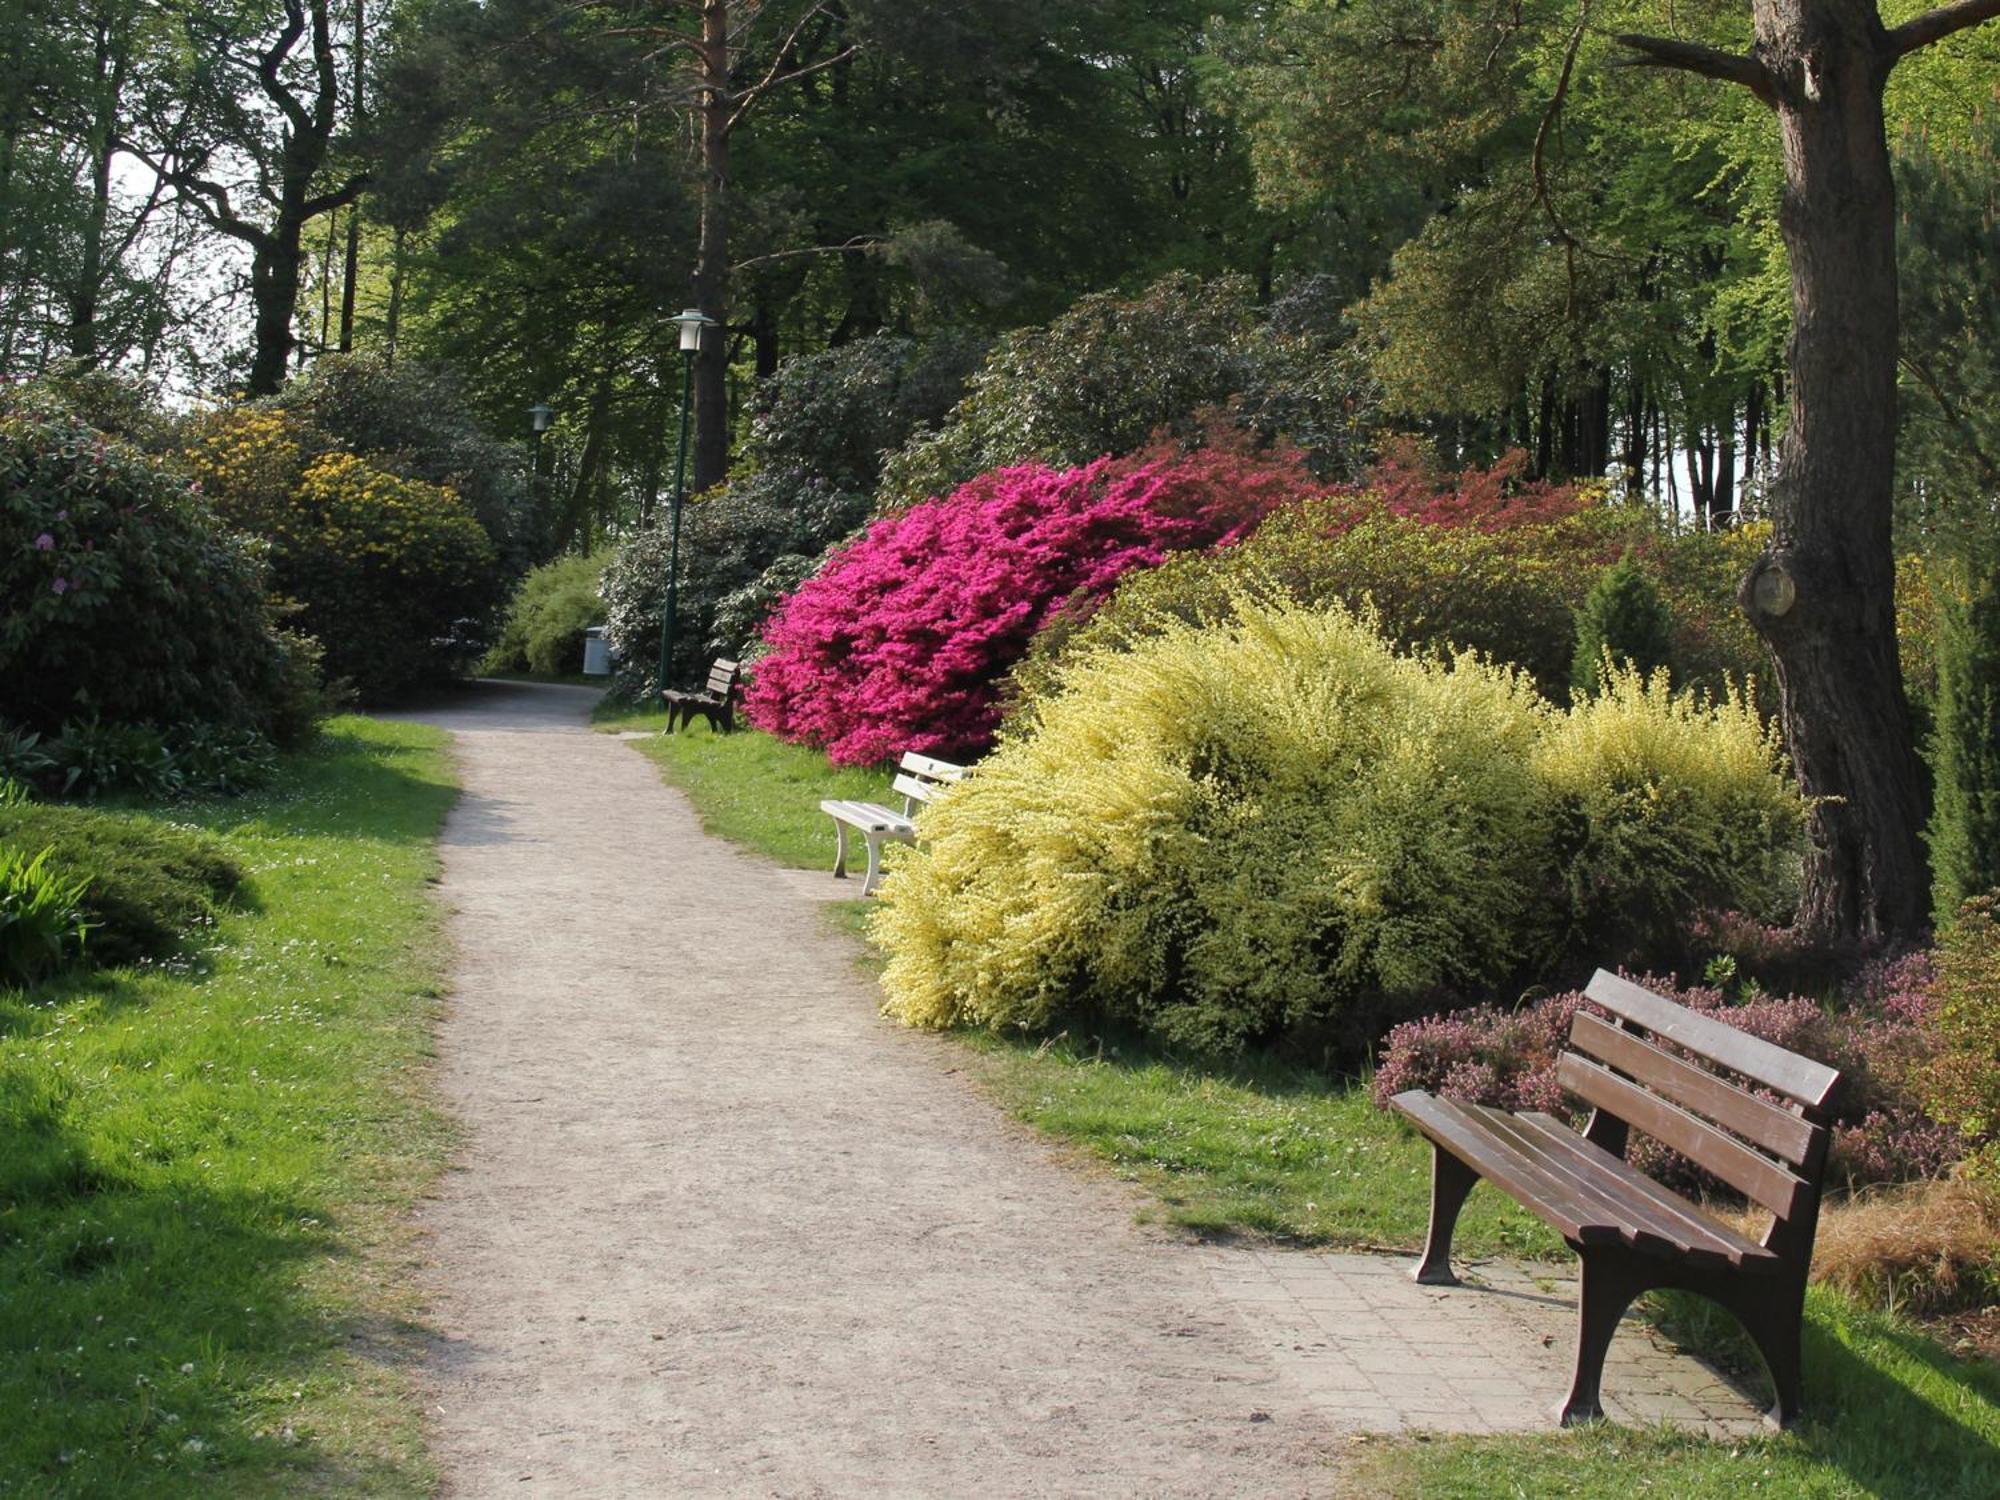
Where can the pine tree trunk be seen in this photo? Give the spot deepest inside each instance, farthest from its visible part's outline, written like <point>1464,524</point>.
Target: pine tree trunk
<point>711,276</point>
<point>1823,594</point>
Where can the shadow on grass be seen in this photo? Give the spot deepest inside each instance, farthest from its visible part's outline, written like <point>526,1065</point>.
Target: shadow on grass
<point>156,1333</point>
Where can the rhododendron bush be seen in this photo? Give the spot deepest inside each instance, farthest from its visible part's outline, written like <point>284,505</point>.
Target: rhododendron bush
<point>900,641</point>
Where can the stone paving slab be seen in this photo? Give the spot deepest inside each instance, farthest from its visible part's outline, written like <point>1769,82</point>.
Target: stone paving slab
<point>1375,1352</point>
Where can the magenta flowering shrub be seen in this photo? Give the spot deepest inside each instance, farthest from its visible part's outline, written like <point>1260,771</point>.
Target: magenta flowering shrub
<point>1878,1033</point>
<point>899,642</point>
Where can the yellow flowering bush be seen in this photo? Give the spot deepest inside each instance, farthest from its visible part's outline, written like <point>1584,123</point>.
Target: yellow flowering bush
<point>1224,832</point>
<point>384,569</point>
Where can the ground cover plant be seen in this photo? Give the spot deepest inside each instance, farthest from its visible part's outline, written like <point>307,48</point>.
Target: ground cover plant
<point>149,884</point>
<point>899,642</point>
<point>207,1162</point>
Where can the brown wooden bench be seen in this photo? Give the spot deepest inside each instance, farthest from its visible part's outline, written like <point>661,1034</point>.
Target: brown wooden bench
<point>919,778</point>
<point>716,702</point>
<point>1637,1072</point>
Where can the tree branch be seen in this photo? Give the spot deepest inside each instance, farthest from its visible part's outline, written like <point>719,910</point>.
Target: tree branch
<point>859,242</point>
<point>1935,25</point>
<point>1692,57</point>
<point>746,97</point>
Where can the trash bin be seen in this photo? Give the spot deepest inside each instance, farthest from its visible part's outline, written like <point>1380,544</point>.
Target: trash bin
<point>596,653</point>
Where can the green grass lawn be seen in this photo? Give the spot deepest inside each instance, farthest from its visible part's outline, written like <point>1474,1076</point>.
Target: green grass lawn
<point>204,1282</point>
<point>1265,1150</point>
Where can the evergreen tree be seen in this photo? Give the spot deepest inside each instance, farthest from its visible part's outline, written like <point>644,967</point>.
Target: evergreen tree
<point>1624,616</point>
<point>1965,750</point>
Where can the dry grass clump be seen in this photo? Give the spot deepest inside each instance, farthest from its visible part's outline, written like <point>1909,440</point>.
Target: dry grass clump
<point>1923,1248</point>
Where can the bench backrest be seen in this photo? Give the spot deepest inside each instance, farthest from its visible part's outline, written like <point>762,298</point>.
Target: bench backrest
<point>921,778</point>
<point>1631,1069</point>
<point>722,677</point>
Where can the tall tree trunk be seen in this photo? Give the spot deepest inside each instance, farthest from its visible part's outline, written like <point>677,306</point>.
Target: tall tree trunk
<point>711,275</point>
<point>1840,687</point>
<point>392,319</point>
<point>274,296</point>
<point>350,269</point>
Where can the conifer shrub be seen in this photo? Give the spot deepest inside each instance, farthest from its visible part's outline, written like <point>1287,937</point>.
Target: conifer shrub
<point>552,607</point>
<point>1662,805</point>
<point>1964,833</point>
<point>899,642</point>
<point>1624,622</point>
<point>1273,820</point>
<point>1227,833</point>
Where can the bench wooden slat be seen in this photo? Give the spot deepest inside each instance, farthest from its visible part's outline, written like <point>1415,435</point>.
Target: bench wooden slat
<point>1756,1177</point>
<point>1779,1131</point>
<point>1551,1199</point>
<point>1795,1077</point>
<point>721,676</point>
<point>1647,1225</point>
<point>916,789</point>
<point>1704,1233</point>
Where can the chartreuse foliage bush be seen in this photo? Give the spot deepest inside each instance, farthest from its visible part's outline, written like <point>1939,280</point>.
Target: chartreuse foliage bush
<point>1661,805</point>
<point>123,601</point>
<point>552,607</point>
<point>1227,833</point>
<point>389,574</point>
<point>1276,821</point>
<point>900,641</point>
<point>1964,1085</point>
<point>146,884</point>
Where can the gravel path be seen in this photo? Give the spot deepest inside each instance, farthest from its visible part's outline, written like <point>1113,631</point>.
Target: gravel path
<point>719,1230</point>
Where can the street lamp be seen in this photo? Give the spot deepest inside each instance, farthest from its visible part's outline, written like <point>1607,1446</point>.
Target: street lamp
<point>691,324</point>
<point>539,417</point>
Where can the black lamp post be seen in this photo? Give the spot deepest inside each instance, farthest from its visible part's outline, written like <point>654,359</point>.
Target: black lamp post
<point>691,323</point>
<point>539,417</point>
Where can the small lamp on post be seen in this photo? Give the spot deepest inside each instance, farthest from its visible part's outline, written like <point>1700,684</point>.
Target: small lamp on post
<point>539,417</point>
<point>691,323</point>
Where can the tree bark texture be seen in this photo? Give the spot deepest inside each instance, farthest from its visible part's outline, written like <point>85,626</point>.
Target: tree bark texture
<point>1840,686</point>
<point>711,275</point>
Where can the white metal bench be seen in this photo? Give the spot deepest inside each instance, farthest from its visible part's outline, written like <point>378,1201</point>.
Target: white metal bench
<point>918,779</point>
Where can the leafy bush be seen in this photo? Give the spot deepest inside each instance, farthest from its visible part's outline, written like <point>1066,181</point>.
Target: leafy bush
<point>1663,805</point>
<point>1964,1083</point>
<point>1879,1035</point>
<point>147,883</point>
<point>415,421</point>
<point>899,642</point>
<point>1622,621</point>
<point>1227,833</point>
<point>1112,371</point>
<point>386,571</point>
<point>552,607</point>
<point>41,920</point>
<point>121,598</point>
<point>1503,594</point>
<point>1965,744</point>
<point>728,539</point>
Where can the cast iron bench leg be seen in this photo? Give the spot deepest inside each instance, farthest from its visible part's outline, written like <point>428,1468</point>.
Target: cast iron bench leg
<point>839,849</point>
<point>1451,1180</point>
<point>1605,1288</point>
<point>874,863</point>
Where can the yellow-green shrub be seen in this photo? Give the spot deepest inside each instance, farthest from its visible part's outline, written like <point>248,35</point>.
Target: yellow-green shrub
<point>1220,833</point>
<point>1665,805</point>
<point>1227,832</point>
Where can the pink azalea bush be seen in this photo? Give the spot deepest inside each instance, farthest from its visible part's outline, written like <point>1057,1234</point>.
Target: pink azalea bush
<point>900,641</point>
<point>1880,1033</point>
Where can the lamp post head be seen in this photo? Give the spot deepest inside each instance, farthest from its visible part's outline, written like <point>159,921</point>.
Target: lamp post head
<point>539,416</point>
<point>691,323</point>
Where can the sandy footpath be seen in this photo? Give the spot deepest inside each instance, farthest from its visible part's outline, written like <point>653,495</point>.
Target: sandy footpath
<point>717,1229</point>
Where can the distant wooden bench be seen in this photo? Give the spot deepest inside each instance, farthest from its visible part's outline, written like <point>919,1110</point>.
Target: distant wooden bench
<point>716,702</point>
<point>919,779</point>
<point>1632,1234</point>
